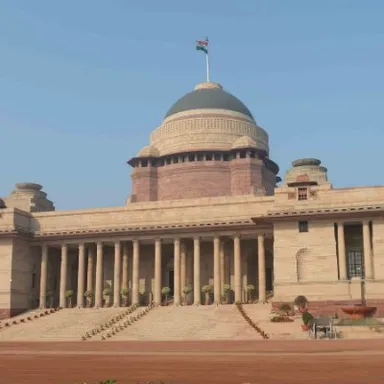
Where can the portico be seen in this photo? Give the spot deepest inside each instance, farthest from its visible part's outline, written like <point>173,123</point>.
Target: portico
<point>142,266</point>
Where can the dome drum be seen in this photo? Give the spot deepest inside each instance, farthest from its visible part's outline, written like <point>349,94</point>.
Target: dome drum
<point>209,144</point>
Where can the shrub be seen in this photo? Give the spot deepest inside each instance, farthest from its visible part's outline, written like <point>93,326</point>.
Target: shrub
<point>281,319</point>
<point>285,307</point>
<point>306,317</point>
<point>107,292</point>
<point>301,302</point>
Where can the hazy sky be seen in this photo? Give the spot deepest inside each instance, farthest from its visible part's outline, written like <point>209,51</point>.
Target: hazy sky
<point>84,82</point>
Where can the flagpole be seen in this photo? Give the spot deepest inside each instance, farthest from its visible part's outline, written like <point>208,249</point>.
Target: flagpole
<point>207,62</point>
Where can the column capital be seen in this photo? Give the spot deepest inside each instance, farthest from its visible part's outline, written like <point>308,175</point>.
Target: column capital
<point>81,245</point>
<point>366,221</point>
<point>117,243</point>
<point>158,239</point>
<point>64,246</point>
<point>236,235</point>
<point>135,241</point>
<point>196,238</point>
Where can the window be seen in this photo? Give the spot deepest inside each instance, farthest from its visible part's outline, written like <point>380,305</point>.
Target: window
<point>302,193</point>
<point>303,226</point>
<point>33,280</point>
<point>355,263</point>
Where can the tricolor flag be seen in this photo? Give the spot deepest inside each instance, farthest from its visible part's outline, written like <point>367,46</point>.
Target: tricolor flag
<point>202,45</point>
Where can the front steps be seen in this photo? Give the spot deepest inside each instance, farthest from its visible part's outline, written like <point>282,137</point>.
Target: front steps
<point>190,323</point>
<point>64,325</point>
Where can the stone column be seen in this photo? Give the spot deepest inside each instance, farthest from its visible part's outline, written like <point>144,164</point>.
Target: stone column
<point>222,267</point>
<point>43,276</point>
<point>367,251</point>
<point>91,256</point>
<point>183,266</point>
<point>216,271</point>
<point>135,272</point>
<point>157,293</point>
<point>190,268</point>
<point>261,262</point>
<point>63,275</point>
<point>341,251</point>
<point>237,267</point>
<point>80,276</point>
<point>117,275</point>
<point>176,285</point>
<point>124,282</point>
<point>196,271</point>
<point>99,275</point>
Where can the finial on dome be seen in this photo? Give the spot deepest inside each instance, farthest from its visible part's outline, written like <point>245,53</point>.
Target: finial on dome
<point>208,85</point>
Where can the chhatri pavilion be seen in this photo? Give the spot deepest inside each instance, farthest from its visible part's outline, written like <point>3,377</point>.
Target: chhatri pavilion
<point>207,207</point>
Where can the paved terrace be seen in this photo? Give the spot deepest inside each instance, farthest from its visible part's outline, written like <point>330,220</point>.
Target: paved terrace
<point>224,362</point>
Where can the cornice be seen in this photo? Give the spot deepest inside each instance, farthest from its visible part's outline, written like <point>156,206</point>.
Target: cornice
<point>325,213</point>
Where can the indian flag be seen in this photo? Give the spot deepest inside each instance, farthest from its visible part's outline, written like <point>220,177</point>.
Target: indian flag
<point>202,45</point>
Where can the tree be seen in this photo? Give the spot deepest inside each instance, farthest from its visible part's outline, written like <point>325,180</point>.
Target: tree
<point>69,295</point>
<point>207,289</point>
<point>166,291</point>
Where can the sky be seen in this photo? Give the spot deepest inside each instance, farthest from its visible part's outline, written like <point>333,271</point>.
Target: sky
<point>83,84</point>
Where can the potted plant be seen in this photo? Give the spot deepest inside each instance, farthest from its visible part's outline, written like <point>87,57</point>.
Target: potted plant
<point>49,296</point>
<point>107,296</point>
<point>166,291</point>
<point>307,320</point>
<point>250,289</point>
<point>301,303</point>
<point>187,291</point>
<point>207,289</point>
<point>124,294</point>
<point>227,292</point>
<point>88,295</point>
<point>69,295</point>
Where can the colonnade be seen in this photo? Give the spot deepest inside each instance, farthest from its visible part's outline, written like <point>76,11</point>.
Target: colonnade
<point>120,275</point>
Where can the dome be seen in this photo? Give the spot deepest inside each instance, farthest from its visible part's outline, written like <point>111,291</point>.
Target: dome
<point>209,96</point>
<point>149,151</point>
<point>244,142</point>
<point>28,187</point>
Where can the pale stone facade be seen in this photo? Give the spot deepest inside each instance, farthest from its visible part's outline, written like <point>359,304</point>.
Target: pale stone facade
<point>204,210</point>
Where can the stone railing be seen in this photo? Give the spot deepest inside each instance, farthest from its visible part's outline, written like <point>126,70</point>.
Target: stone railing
<point>240,308</point>
<point>118,327</point>
<point>26,318</point>
<point>109,324</point>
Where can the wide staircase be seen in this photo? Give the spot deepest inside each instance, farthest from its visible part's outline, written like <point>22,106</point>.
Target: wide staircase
<point>64,325</point>
<point>190,323</point>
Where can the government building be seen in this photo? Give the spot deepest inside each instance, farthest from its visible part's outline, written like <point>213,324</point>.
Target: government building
<point>207,207</point>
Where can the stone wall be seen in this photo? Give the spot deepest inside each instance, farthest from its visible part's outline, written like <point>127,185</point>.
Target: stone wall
<point>199,179</point>
<point>6,248</point>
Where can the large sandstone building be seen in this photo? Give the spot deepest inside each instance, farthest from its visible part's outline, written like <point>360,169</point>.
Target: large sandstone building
<point>207,208</point>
